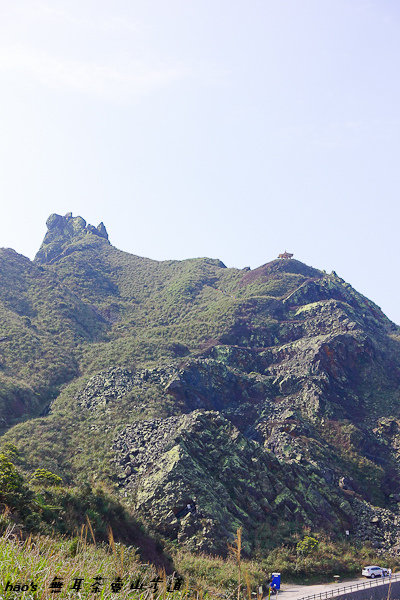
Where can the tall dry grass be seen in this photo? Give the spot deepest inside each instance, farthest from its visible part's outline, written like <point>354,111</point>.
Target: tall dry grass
<point>37,562</point>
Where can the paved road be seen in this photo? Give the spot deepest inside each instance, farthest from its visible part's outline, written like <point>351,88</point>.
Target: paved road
<point>294,592</point>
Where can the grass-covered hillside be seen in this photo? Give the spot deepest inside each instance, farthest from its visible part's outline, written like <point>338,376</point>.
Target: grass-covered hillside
<point>267,398</point>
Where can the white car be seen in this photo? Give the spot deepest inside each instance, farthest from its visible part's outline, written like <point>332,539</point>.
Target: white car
<point>373,572</point>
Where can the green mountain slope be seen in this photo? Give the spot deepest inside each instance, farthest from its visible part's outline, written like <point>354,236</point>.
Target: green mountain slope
<point>43,325</point>
<point>270,397</point>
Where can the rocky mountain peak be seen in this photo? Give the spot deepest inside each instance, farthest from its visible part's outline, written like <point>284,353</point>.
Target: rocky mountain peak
<point>62,231</point>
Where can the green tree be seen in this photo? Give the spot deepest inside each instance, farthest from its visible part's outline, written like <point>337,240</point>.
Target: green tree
<point>13,491</point>
<point>11,451</point>
<point>307,545</point>
<point>43,476</point>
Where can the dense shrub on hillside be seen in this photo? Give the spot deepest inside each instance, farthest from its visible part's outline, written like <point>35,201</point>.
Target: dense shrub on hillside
<point>307,546</point>
<point>43,504</point>
<point>13,490</point>
<point>45,477</point>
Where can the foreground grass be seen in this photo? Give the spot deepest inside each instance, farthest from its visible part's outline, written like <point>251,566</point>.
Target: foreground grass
<point>45,567</point>
<point>37,568</point>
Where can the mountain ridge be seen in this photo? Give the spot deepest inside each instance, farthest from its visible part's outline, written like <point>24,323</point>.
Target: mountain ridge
<point>278,386</point>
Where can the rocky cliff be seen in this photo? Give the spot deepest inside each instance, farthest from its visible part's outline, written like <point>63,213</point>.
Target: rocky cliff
<point>61,231</point>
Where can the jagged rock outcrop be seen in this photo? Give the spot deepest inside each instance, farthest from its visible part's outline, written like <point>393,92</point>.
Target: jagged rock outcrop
<point>104,387</point>
<point>378,526</point>
<point>61,232</point>
<point>198,383</point>
<point>233,480</point>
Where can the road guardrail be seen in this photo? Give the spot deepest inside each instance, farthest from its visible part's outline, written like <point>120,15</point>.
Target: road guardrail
<point>353,587</point>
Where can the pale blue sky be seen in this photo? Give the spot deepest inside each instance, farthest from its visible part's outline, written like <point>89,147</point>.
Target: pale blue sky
<point>229,129</point>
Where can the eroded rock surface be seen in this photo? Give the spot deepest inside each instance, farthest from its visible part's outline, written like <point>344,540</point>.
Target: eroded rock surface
<point>233,480</point>
<point>61,231</point>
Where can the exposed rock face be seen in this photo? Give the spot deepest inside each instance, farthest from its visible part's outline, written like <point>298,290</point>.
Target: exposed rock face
<point>63,230</point>
<point>163,462</point>
<point>198,383</point>
<point>105,386</point>
<point>379,526</point>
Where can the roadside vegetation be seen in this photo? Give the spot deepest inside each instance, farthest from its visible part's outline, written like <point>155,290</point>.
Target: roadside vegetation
<point>82,564</point>
<point>298,562</point>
